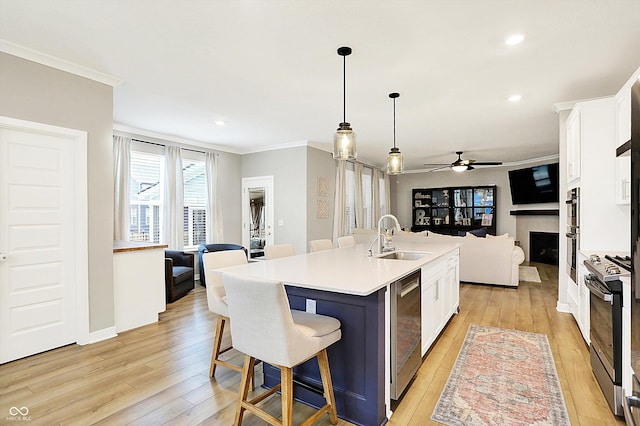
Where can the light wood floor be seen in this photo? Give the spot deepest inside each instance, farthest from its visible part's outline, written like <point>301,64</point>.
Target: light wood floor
<point>157,374</point>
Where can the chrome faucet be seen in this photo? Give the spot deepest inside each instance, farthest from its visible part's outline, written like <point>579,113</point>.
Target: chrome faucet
<point>386,244</point>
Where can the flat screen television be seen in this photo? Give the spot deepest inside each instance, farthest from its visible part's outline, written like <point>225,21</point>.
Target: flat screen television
<point>533,185</point>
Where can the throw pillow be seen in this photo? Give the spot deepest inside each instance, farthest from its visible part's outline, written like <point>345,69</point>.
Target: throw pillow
<point>482,232</point>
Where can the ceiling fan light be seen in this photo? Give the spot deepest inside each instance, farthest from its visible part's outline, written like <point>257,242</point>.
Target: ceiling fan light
<point>395,163</point>
<point>344,143</point>
<point>459,168</point>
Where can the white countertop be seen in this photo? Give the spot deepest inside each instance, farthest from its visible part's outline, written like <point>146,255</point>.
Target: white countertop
<point>347,270</point>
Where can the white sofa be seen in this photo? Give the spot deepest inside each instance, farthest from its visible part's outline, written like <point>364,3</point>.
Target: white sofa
<point>490,260</point>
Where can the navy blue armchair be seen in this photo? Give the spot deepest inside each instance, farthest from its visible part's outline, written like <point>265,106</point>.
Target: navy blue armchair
<point>178,274</point>
<point>206,248</point>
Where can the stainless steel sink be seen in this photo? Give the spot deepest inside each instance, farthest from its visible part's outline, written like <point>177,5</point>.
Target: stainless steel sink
<point>404,255</point>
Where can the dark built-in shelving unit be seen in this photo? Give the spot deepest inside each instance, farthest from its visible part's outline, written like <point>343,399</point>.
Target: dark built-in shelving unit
<point>454,210</point>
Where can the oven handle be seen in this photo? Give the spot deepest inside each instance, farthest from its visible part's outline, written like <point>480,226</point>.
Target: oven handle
<point>594,289</point>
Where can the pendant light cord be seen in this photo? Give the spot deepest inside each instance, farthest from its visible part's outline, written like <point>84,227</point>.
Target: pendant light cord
<point>344,89</point>
<point>394,122</point>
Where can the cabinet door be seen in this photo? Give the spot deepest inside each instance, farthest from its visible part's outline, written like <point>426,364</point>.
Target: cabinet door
<point>453,277</point>
<point>428,331</point>
<point>574,135</point>
<point>583,304</point>
<point>623,117</point>
<point>623,180</point>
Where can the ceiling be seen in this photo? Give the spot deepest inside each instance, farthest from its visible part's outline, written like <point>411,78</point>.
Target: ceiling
<point>270,70</point>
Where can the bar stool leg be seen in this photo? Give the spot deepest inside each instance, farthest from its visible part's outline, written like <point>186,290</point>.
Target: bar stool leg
<point>286,381</point>
<point>217,341</point>
<point>247,370</point>
<point>327,384</point>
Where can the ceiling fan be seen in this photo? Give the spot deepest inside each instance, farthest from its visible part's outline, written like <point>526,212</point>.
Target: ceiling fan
<point>461,165</point>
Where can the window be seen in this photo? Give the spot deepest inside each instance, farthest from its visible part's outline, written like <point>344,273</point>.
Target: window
<point>146,193</point>
<point>350,199</point>
<point>144,196</point>
<point>367,199</point>
<point>383,196</point>
<point>195,202</point>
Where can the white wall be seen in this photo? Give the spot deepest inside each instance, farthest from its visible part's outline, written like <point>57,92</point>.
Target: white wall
<point>320,164</point>
<point>34,92</point>
<point>289,170</point>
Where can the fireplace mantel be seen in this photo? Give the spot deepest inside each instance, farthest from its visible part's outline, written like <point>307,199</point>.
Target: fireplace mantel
<point>548,212</point>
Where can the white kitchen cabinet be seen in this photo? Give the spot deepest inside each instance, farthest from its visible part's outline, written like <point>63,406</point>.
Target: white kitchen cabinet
<point>623,180</point>
<point>583,304</point>
<point>623,117</point>
<point>440,296</point>
<point>623,134</point>
<point>574,136</point>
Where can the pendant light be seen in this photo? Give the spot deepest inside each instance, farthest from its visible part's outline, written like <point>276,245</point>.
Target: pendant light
<point>394,159</point>
<point>344,141</point>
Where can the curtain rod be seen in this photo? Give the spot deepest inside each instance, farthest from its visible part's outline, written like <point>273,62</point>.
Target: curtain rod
<point>160,144</point>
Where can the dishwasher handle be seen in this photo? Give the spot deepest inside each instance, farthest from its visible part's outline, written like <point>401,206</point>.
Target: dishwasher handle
<point>406,289</point>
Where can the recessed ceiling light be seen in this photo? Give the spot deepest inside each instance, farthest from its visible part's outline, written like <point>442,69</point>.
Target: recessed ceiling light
<point>514,39</point>
<point>220,123</point>
<point>514,98</point>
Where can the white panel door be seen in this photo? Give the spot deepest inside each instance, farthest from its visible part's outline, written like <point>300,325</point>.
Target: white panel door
<point>38,215</point>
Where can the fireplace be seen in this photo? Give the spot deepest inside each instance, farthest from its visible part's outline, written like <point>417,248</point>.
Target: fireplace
<point>543,247</point>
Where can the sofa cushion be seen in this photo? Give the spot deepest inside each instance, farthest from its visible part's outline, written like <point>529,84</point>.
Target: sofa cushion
<point>498,236</point>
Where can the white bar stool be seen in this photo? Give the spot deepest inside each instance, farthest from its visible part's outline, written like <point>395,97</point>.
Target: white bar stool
<point>216,299</point>
<point>319,245</point>
<point>264,327</point>
<point>346,241</point>
<point>279,250</point>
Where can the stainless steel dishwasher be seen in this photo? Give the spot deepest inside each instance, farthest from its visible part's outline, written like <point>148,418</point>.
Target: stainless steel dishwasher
<point>405,332</point>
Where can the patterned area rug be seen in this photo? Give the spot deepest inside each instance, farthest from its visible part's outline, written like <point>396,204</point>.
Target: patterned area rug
<point>502,377</point>
<point>529,274</point>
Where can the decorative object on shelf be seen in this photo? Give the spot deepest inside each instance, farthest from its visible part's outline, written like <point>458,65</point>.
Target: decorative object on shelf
<point>344,141</point>
<point>487,219</point>
<point>394,159</point>
<point>461,165</point>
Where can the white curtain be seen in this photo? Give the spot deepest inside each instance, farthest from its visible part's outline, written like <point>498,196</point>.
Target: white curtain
<point>121,166</point>
<point>214,210</point>
<point>375,186</point>
<point>173,199</point>
<point>387,194</point>
<point>340,209</point>
<point>357,172</point>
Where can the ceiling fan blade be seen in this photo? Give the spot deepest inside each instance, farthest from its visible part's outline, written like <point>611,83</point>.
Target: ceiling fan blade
<point>441,166</point>
<point>488,163</point>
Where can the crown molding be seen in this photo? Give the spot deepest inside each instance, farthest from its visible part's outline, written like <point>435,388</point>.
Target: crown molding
<point>57,63</point>
<point>151,136</point>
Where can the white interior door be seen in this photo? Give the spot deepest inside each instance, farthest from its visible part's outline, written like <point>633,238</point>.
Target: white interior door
<point>43,259</point>
<point>257,221</point>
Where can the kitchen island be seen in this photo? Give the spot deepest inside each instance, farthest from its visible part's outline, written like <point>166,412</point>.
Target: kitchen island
<point>347,284</point>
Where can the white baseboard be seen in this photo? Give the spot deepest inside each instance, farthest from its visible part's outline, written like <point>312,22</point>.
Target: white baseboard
<point>100,335</point>
<point>564,307</point>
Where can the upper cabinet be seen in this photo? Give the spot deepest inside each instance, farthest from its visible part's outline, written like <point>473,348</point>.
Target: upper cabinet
<point>574,140</point>
<point>623,134</point>
<point>623,117</point>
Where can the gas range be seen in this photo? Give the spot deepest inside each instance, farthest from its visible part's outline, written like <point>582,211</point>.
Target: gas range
<point>611,268</point>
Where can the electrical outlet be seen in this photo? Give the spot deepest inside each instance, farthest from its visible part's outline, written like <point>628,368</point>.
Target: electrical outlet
<point>311,306</point>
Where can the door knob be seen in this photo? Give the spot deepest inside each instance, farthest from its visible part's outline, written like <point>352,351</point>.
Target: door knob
<point>3,257</point>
